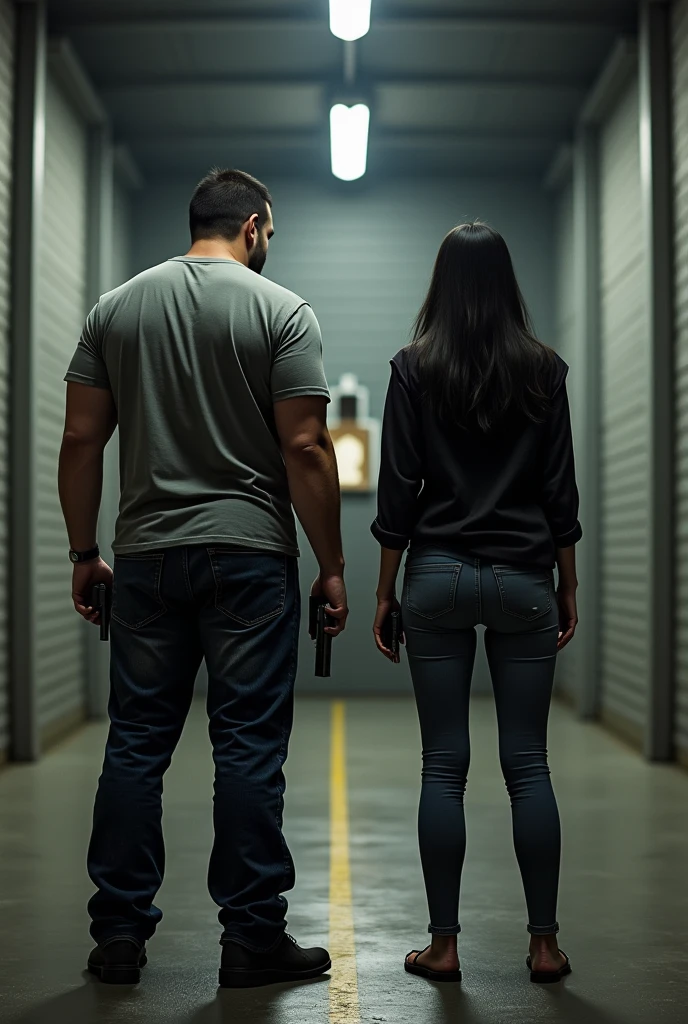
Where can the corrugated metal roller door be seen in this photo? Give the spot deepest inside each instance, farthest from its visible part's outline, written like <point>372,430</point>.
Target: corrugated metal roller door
<point>565,341</point>
<point>99,660</point>
<point>61,661</point>
<point>121,234</point>
<point>121,272</point>
<point>681,208</point>
<point>6,77</point>
<point>625,427</point>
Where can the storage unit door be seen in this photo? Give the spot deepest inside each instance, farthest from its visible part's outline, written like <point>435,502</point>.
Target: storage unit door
<point>680,34</point>
<point>99,654</point>
<point>61,655</point>
<point>625,426</point>
<point>565,342</point>
<point>6,80</point>
<point>121,234</point>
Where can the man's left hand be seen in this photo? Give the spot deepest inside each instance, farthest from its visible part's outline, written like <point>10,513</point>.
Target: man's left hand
<point>85,578</point>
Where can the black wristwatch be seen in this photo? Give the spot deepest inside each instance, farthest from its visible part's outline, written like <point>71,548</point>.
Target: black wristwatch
<point>84,556</point>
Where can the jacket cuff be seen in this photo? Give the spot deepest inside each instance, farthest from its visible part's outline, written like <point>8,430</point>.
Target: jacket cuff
<point>394,541</point>
<point>567,540</point>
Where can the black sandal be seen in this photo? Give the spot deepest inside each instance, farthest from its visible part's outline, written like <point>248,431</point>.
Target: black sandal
<point>549,977</point>
<point>424,972</point>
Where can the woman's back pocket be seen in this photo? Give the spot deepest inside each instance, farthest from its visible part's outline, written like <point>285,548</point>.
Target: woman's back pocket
<point>523,593</point>
<point>431,589</point>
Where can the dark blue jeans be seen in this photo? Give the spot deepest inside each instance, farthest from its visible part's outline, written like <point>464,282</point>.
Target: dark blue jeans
<point>445,596</point>
<point>240,610</point>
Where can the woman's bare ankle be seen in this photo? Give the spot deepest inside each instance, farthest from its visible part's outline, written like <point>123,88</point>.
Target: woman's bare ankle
<point>444,951</point>
<point>444,943</point>
<point>544,952</point>
<point>441,955</point>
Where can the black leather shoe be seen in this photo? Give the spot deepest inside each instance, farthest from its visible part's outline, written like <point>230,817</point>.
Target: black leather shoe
<point>242,968</point>
<point>118,961</point>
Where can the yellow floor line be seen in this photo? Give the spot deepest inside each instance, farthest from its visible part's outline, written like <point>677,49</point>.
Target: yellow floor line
<point>344,1008</point>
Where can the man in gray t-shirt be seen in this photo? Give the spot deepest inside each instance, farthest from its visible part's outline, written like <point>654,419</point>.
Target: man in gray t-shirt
<point>196,352</point>
<point>214,377</point>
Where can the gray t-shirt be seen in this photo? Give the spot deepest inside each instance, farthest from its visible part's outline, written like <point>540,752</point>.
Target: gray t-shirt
<point>195,352</point>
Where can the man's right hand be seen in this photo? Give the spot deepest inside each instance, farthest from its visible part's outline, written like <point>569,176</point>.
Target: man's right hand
<point>314,488</point>
<point>84,578</point>
<point>334,589</point>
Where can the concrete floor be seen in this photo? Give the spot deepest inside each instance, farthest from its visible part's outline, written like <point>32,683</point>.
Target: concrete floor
<point>623,910</point>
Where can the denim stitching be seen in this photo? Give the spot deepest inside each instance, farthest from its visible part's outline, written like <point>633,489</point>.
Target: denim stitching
<point>280,796</point>
<point>539,930</point>
<point>454,930</point>
<point>456,572</point>
<point>214,570</point>
<point>237,618</point>
<point>156,593</point>
<point>519,615</point>
<point>187,575</point>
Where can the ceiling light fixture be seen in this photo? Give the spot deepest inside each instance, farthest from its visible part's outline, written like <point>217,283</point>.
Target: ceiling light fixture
<point>350,19</point>
<point>349,128</point>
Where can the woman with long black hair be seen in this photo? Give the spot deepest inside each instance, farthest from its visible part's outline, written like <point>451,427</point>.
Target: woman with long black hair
<point>477,476</point>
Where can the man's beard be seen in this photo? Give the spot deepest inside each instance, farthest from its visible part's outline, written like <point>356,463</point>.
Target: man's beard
<point>256,260</point>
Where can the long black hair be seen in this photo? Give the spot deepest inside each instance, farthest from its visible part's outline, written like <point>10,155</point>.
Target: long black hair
<point>478,356</point>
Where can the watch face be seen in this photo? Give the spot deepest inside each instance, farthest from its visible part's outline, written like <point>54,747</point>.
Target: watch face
<point>73,556</point>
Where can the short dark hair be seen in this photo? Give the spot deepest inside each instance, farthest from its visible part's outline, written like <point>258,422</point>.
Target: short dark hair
<point>225,200</point>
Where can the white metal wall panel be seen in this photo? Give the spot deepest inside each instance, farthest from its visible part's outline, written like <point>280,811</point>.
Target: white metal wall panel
<point>565,342</point>
<point>680,36</point>
<point>61,662</point>
<point>6,79</point>
<point>121,234</point>
<point>119,271</point>
<point>625,426</point>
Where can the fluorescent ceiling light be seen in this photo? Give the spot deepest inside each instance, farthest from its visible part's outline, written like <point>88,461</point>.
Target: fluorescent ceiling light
<point>350,19</point>
<point>349,137</point>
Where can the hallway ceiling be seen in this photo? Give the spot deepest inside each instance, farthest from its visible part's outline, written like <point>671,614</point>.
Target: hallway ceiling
<point>455,86</point>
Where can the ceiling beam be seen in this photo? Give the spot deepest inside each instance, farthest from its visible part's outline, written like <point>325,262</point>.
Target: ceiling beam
<point>390,136</point>
<point>434,136</point>
<point>592,17</point>
<point>277,138</point>
<point>563,24</point>
<point>387,79</point>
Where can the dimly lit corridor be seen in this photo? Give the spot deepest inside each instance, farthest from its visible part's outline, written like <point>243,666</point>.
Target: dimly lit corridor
<point>564,125</point>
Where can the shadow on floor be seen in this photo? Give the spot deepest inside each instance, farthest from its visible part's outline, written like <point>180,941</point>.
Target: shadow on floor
<point>569,1008</point>
<point>453,1003</point>
<point>93,1003</point>
<point>85,1005</point>
<point>258,1005</point>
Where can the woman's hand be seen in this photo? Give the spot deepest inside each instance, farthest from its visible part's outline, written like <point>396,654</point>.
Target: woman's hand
<point>568,616</point>
<point>385,606</point>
